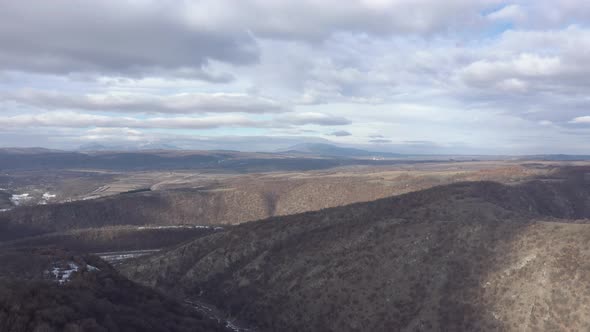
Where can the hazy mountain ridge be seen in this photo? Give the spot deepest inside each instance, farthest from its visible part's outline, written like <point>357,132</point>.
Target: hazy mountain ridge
<point>23,160</point>
<point>132,147</point>
<point>324,149</point>
<point>229,161</point>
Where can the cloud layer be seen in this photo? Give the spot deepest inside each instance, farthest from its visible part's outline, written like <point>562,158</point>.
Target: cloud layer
<point>133,103</point>
<point>463,75</point>
<point>84,120</point>
<point>115,37</point>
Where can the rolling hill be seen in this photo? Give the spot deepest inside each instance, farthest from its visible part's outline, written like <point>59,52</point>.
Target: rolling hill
<point>330,150</point>
<point>227,161</point>
<point>241,199</point>
<point>460,257</point>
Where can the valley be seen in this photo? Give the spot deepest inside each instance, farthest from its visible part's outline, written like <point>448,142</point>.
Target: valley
<point>410,245</point>
<point>294,166</point>
<point>196,197</point>
<point>465,256</point>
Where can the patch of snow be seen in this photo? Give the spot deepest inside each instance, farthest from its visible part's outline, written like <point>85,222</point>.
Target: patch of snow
<point>18,199</point>
<point>2,210</point>
<point>62,274</point>
<point>46,196</point>
<point>92,268</point>
<point>118,256</point>
<point>181,226</point>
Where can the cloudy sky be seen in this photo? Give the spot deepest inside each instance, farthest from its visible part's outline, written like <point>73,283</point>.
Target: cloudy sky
<point>419,76</point>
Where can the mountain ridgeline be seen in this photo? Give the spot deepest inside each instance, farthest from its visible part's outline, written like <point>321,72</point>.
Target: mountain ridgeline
<point>321,156</point>
<point>459,257</point>
<point>245,199</point>
<point>329,150</point>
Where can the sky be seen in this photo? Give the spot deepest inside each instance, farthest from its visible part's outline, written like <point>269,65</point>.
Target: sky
<point>407,76</point>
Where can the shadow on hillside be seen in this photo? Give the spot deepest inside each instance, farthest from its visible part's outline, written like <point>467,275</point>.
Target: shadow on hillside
<point>416,262</point>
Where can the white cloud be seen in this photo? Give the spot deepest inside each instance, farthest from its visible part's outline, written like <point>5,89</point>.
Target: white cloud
<point>319,19</point>
<point>175,103</point>
<point>180,38</point>
<point>545,123</point>
<point>123,37</point>
<point>315,118</point>
<point>509,13</point>
<point>543,14</point>
<point>494,75</point>
<point>108,134</point>
<point>581,119</point>
<point>81,120</point>
<point>68,119</point>
<point>522,65</point>
<point>513,85</point>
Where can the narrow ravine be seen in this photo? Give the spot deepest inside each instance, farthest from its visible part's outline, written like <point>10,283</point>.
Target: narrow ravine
<point>216,314</point>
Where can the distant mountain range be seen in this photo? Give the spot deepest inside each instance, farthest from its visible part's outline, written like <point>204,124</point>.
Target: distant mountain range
<point>330,150</point>
<point>318,149</point>
<point>129,147</point>
<point>556,157</point>
<point>304,156</point>
<point>29,159</point>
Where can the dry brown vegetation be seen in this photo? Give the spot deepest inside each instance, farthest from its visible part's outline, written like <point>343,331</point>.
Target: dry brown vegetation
<point>459,257</point>
<point>420,249</point>
<point>237,199</point>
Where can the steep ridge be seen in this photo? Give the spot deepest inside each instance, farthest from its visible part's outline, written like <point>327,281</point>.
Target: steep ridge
<point>53,290</point>
<point>466,256</point>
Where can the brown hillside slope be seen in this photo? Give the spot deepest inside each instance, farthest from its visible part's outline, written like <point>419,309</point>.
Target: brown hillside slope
<point>150,208</point>
<point>468,256</point>
<point>246,198</point>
